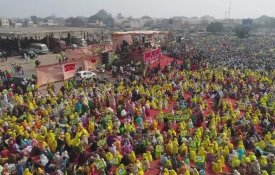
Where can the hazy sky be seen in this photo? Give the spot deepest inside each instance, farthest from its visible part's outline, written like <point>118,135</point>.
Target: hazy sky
<point>137,8</point>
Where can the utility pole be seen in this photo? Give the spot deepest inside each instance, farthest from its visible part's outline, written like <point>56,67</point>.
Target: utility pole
<point>229,12</point>
<point>102,36</point>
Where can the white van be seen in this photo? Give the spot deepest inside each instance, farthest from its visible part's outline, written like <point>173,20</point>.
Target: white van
<point>39,48</point>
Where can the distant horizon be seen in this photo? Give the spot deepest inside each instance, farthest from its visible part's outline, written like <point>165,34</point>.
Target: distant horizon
<point>219,9</point>
<point>124,17</point>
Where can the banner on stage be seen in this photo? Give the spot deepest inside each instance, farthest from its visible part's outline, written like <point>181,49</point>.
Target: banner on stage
<point>152,56</point>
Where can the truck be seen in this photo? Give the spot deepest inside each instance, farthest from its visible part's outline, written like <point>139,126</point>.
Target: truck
<point>57,45</point>
<point>79,41</point>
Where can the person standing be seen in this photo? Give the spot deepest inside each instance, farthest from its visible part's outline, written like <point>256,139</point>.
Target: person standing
<point>62,56</point>
<point>6,56</point>
<point>26,57</point>
<point>13,68</point>
<point>2,75</point>
<point>58,58</point>
<point>20,69</point>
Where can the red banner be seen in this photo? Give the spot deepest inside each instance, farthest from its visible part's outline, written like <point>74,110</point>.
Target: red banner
<point>90,64</point>
<point>93,60</point>
<point>147,57</point>
<point>69,67</point>
<point>152,56</point>
<point>69,70</point>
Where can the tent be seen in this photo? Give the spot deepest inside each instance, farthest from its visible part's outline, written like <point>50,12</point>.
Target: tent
<point>118,37</point>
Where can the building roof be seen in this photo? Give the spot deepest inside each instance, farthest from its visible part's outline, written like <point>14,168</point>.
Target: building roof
<point>41,31</point>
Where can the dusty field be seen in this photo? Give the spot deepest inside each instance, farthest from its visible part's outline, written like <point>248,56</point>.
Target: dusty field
<point>28,67</point>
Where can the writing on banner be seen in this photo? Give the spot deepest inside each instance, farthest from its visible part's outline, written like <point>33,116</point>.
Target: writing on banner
<point>152,56</point>
<point>147,57</point>
<point>69,70</point>
<point>69,67</point>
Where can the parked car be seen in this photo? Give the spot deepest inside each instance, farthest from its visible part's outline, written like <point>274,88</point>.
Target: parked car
<point>29,53</point>
<point>79,76</point>
<point>39,48</point>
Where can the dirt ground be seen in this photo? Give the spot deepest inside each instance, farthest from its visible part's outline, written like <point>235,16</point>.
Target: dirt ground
<point>28,67</point>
